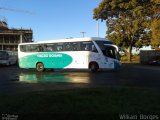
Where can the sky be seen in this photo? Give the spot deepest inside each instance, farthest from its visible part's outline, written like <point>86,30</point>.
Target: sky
<point>53,19</point>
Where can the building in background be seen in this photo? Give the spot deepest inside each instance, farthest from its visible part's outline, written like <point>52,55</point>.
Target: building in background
<point>11,37</point>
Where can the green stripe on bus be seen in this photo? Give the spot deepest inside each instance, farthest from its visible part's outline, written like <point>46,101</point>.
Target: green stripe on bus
<point>50,60</point>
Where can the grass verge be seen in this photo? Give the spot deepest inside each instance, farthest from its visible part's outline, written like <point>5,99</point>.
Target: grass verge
<point>81,104</point>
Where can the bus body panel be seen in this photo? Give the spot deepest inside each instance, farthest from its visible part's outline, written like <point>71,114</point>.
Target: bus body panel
<point>58,59</point>
<point>50,60</point>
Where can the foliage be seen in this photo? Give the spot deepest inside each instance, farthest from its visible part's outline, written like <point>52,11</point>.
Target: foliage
<point>128,21</point>
<point>154,12</point>
<point>155,26</point>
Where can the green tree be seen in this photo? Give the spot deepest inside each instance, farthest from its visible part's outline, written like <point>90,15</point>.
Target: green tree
<point>155,27</point>
<point>127,21</point>
<point>155,23</point>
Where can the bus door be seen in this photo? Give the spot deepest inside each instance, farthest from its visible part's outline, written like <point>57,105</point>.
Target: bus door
<point>111,57</point>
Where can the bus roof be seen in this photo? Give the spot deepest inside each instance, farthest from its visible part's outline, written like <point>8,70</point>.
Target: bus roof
<point>69,40</point>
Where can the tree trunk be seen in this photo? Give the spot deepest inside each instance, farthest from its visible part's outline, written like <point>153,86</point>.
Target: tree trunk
<point>130,54</point>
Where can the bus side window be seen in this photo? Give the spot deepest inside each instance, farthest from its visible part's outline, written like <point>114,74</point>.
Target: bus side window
<point>75,46</point>
<point>87,46</point>
<point>50,47</point>
<point>59,47</point>
<point>34,48</point>
<point>28,48</point>
<point>40,48</point>
<point>84,46</point>
<point>67,46</point>
<point>45,48</point>
<point>23,48</point>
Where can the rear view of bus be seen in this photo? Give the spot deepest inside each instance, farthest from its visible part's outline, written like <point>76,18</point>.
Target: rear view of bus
<point>77,53</point>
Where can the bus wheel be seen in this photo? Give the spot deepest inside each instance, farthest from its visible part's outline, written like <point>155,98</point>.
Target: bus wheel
<point>93,67</point>
<point>40,67</point>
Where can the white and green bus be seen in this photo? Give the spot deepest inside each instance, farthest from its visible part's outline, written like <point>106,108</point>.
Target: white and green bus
<point>75,53</point>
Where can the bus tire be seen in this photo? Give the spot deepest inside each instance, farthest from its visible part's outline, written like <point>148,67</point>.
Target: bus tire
<point>40,67</point>
<point>93,67</point>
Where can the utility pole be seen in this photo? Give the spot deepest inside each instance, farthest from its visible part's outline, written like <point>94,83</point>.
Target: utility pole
<point>83,33</point>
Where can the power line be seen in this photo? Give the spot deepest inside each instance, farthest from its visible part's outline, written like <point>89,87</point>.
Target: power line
<point>16,10</point>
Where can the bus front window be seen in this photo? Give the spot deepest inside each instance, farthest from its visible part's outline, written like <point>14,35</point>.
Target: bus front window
<point>107,49</point>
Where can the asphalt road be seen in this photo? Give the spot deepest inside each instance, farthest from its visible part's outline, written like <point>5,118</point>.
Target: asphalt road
<point>14,79</point>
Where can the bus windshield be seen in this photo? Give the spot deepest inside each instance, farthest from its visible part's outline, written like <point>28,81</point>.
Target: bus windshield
<point>107,49</point>
<point>102,44</point>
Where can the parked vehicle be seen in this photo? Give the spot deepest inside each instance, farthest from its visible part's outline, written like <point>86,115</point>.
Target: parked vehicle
<point>7,57</point>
